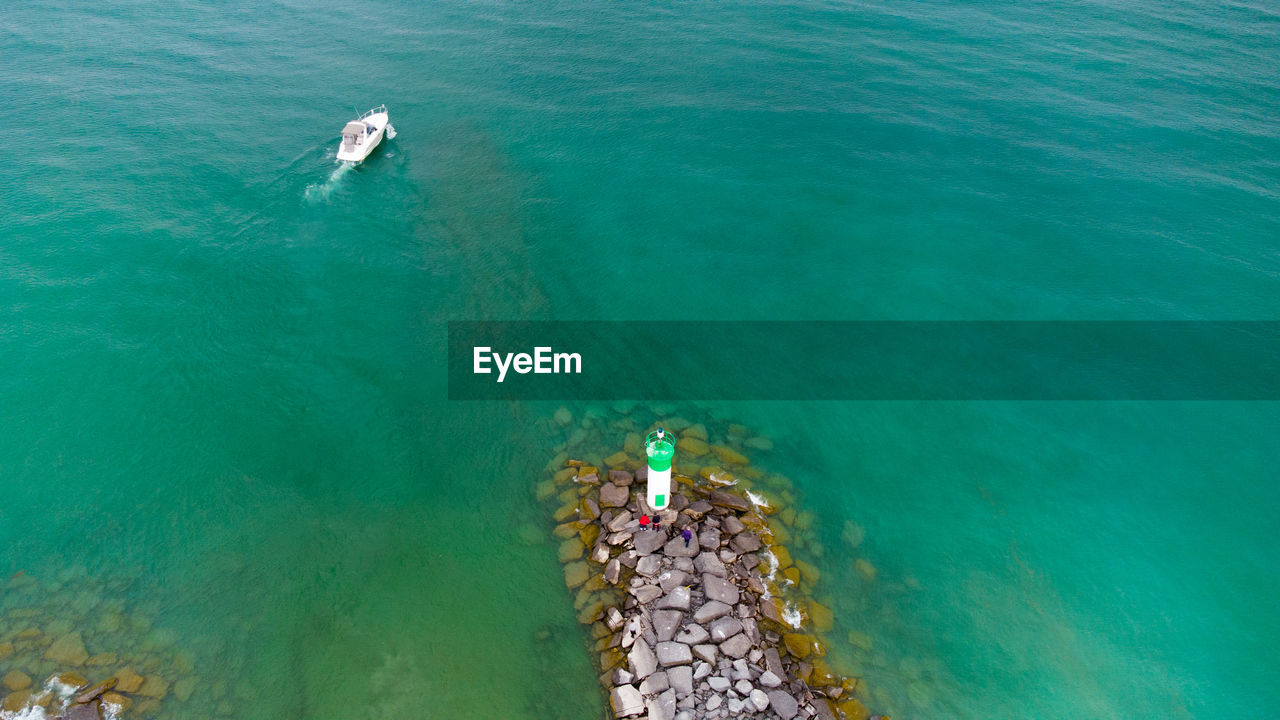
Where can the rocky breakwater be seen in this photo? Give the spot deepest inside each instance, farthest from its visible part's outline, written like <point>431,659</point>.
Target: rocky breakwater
<point>686,618</point>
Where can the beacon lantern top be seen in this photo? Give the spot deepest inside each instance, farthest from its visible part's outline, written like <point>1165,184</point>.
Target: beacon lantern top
<point>661,448</point>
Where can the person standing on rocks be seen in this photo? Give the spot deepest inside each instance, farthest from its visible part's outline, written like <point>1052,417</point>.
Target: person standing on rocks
<point>657,523</point>
<point>687,535</point>
<point>644,522</point>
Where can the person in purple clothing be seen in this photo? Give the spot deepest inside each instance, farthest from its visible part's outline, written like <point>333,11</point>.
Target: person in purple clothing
<point>657,523</point>
<point>687,535</point>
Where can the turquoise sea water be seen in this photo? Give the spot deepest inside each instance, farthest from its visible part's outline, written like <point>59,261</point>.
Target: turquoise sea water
<point>221,355</point>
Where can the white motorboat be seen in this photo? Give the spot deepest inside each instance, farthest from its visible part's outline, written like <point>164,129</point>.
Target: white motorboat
<point>362,135</point>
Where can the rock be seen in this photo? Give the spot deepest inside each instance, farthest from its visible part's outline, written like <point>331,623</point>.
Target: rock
<point>798,645</point>
<point>705,652</point>
<point>86,711</point>
<point>671,579</point>
<point>769,680</point>
<point>619,521</point>
<point>701,669</point>
<point>711,611</point>
<point>681,679</point>
<point>118,700</point>
<point>865,567</point>
<point>698,509</point>
<point>784,706</point>
<point>649,565</point>
<point>743,687</point>
<point>693,447</point>
<point>571,549</point>
<point>734,705</point>
<point>708,564</point>
<point>153,686</point>
<point>677,599</point>
<point>736,646</point>
<point>563,417</point>
<point>713,703</point>
<point>612,571</point>
<point>599,556</point>
<point>759,700</point>
<point>720,590</point>
<point>613,618</point>
<point>647,541</point>
<point>646,594</point>
<point>614,496</point>
<point>745,542</point>
<point>662,707</point>
<point>655,683</point>
<point>729,456</point>
<point>128,681</point>
<point>665,623</point>
<point>693,635</point>
<point>717,683</point>
<point>88,694</point>
<point>15,701</point>
<point>642,660</point>
<point>575,574</point>
<point>17,680</point>
<point>822,617</point>
<point>673,653</point>
<point>626,701</point>
<point>725,628</point>
<point>621,477</point>
<point>722,498</point>
<point>677,548</point>
<point>111,658</point>
<point>67,650</point>
<point>773,662</point>
<point>6,649</point>
<point>732,525</point>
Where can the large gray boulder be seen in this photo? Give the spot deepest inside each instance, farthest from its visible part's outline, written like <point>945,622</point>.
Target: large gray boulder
<point>693,635</point>
<point>614,496</point>
<point>665,624</point>
<point>655,683</point>
<point>736,646</point>
<point>711,611</point>
<point>725,628</point>
<point>677,548</point>
<point>642,660</point>
<point>662,707</point>
<point>646,594</point>
<point>626,701</point>
<point>677,599</point>
<point>674,653</point>
<point>647,542</point>
<point>681,679</point>
<point>707,562</point>
<point>720,498</point>
<point>745,542</point>
<point>718,589</point>
<point>705,652</point>
<point>784,706</point>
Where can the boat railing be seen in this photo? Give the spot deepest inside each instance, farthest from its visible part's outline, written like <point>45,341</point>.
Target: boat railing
<point>375,111</point>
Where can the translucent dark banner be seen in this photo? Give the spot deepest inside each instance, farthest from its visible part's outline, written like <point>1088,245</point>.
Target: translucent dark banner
<point>864,360</point>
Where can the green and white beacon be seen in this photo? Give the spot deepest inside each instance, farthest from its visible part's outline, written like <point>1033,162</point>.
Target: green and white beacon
<point>661,449</point>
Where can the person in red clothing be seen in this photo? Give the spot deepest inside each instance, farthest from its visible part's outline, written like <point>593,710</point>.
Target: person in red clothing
<point>644,522</point>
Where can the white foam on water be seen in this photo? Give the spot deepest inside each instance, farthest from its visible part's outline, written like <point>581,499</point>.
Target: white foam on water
<point>34,712</point>
<point>111,711</point>
<point>391,131</point>
<point>319,192</point>
<point>757,500</point>
<point>791,615</point>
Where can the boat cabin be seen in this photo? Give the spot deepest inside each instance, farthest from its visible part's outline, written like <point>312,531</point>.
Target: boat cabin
<point>352,133</point>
